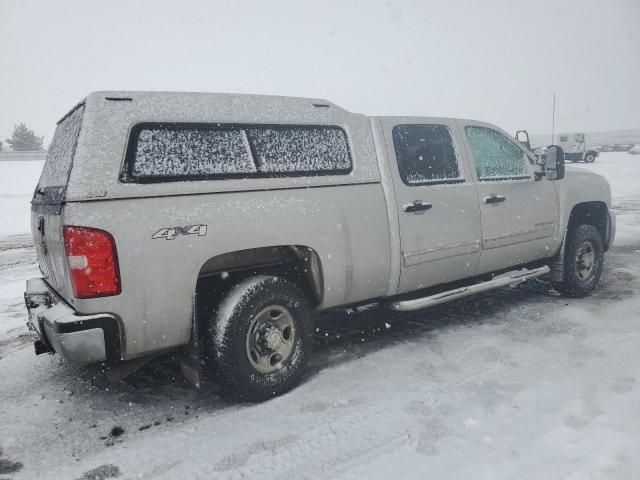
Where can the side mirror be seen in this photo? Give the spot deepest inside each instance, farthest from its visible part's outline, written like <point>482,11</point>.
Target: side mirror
<point>523,137</point>
<point>554,162</point>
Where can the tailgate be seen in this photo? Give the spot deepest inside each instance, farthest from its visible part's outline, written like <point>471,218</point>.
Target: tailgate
<point>48,203</point>
<point>46,227</point>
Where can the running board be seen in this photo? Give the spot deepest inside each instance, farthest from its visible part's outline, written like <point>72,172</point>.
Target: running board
<point>501,281</point>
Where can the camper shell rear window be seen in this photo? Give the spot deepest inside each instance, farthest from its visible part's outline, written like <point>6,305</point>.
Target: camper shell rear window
<point>57,166</point>
<point>162,152</point>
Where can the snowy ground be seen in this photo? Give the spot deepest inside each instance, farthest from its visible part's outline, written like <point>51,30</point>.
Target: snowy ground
<point>17,182</point>
<point>516,384</point>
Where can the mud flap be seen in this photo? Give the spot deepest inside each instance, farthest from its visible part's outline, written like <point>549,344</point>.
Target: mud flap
<point>557,264</point>
<point>191,360</point>
<point>122,370</point>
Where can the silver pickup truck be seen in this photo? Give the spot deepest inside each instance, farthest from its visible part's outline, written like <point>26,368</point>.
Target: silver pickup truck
<point>151,205</point>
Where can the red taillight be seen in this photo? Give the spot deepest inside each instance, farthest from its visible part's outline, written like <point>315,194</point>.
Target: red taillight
<point>93,262</point>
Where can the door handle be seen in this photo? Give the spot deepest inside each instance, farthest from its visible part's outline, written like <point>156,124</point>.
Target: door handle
<point>494,198</point>
<point>417,206</point>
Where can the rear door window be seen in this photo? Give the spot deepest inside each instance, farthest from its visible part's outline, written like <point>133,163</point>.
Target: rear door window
<point>170,152</point>
<point>425,154</point>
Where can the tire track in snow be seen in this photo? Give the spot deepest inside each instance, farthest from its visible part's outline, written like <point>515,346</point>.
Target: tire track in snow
<point>296,456</point>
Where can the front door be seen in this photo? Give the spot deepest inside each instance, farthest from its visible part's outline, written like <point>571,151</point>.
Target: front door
<point>437,201</point>
<point>519,211</point>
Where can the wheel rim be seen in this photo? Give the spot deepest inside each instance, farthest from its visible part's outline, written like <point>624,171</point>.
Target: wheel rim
<point>590,158</point>
<point>270,340</point>
<point>586,260</point>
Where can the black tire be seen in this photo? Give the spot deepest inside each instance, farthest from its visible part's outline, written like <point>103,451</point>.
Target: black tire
<point>590,157</point>
<point>579,281</point>
<point>236,362</point>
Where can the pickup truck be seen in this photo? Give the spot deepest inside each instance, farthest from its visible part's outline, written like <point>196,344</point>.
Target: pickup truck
<point>217,224</point>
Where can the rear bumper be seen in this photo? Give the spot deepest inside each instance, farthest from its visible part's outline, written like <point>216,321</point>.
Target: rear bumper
<point>78,338</point>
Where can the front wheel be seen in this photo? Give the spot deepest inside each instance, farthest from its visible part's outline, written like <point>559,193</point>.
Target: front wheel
<point>584,259</point>
<point>261,337</point>
<point>590,157</point>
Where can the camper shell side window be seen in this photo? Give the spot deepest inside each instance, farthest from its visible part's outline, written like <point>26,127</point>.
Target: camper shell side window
<point>161,152</point>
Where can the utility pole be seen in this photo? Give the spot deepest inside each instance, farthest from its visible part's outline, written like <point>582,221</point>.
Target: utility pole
<point>553,119</point>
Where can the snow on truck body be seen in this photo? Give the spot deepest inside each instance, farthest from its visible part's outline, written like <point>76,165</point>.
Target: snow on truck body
<point>145,194</point>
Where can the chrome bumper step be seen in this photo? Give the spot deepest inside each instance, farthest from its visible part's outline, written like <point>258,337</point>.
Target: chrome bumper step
<point>510,278</point>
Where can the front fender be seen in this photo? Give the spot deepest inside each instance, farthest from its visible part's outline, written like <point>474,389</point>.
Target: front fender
<point>580,186</point>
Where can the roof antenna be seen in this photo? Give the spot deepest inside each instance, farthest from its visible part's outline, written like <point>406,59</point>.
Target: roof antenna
<point>553,118</point>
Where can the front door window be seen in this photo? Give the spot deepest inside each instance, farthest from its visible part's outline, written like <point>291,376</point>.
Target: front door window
<point>496,157</point>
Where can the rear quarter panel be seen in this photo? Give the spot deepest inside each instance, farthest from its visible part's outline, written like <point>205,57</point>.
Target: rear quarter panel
<point>346,226</point>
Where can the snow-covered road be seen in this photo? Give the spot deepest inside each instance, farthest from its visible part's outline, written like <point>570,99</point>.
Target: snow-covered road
<point>517,383</point>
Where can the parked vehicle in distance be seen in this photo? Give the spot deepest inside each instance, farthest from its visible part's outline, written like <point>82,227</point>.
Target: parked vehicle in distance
<point>608,148</point>
<point>635,150</point>
<point>540,153</point>
<point>623,147</point>
<point>575,147</point>
<point>217,223</point>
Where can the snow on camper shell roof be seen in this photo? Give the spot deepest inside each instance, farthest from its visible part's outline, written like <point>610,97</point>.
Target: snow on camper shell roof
<point>107,125</point>
<point>299,105</point>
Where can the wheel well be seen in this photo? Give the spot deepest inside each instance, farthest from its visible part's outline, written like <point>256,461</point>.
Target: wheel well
<point>297,263</point>
<point>591,213</point>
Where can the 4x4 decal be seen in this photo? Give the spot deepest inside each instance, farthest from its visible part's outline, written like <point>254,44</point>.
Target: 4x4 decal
<point>172,232</point>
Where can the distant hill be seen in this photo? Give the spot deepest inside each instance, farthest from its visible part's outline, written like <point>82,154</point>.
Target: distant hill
<point>595,138</point>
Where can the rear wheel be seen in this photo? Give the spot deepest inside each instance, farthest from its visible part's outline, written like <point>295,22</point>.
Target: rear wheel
<point>261,338</point>
<point>584,259</point>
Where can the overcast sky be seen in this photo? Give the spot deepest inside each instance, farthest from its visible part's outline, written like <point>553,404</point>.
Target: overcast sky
<point>492,60</point>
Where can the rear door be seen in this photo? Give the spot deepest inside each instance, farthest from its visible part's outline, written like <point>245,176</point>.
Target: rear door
<point>48,200</point>
<point>437,201</point>
<point>519,212</point>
